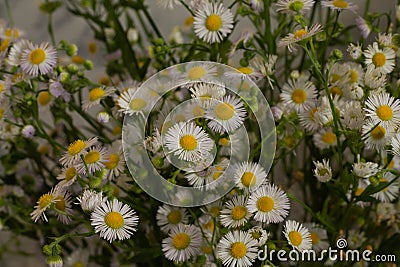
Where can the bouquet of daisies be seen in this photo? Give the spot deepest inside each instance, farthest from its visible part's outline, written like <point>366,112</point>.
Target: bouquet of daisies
<point>253,127</point>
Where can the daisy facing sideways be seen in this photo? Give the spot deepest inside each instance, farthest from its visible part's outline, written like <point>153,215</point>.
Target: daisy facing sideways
<point>297,235</point>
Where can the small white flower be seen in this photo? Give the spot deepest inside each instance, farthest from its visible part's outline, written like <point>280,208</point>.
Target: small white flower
<point>259,234</point>
<point>297,235</point>
<point>383,109</point>
<point>237,248</point>
<point>389,193</point>
<point>380,59</point>
<point>298,95</point>
<point>354,116</point>
<point>249,175</point>
<point>354,50</point>
<point>269,204</point>
<point>325,138</point>
<point>90,199</point>
<point>182,243</point>
<point>96,95</point>
<point>28,131</point>
<point>212,22</point>
<point>299,35</point>
<point>363,26</point>
<point>235,213</point>
<point>323,171</point>
<point>169,217</point>
<point>38,59</point>
<point>114,220</point>
<point>293,7</point>
<point>376,136</point>
<point>339,5</point>
<point>103,117</point>
<point>319,237</point>
<point>365,169</point>
<point>93,160</point>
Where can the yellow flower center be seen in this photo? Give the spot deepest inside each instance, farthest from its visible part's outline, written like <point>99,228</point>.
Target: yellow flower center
<point>295,238</point>
<point>379,59</point>
<point>4,44</point>
<point>224,111</point>
<point>353,76</point>
<point>245,70</point>
<point>198,111</point>
<point>299,96</point>
<point>11,33</point>
<point>78,264</point>
<point>315,238</point>
<point>329,138</point>
<point>76,147</point>
<point>248,179</point>
<point>311,115</point>
<point>189,21</point>
<point>114,220</point>
<point>42,149</point>
<point>384,112</point>
<point>238,213</point>
<point>217,173</point>
<point>359,191</point>
<point>265,204</point>
<point>188,142</point>
<point>112,161</point>
<point>335,77</point>
<point>196,73</point>
<point>60,203</point>
<point>92,47</point>
<point>92,157</point>
<point>336,91</point>
<point>37,56</point>
<point>224,141</point>
<point>209,225</point>
<point>206,249</point>
<point>70,173</point>
<point>174,217</point>
<point>78,60</point>
<point>44,98</point>
<point>300,33</point>
<point>181,241</point>
<point>117,130</point>
<point>1,87</point>
<point>238,250</point>
<point>1,112</point>
<point>180,118</point>
<point>256,235</point>
<point>215,211</point>
<point>137,104</point>
<point>213,22</point>
<point>45,200</point>
<point>105,80</point>
<point>96,93</point>
<point>378,132</point>
<point>340,3</point>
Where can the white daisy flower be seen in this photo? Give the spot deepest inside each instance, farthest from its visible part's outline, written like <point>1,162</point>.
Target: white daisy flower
<point>259,234</point>
<point>213,209</point>
<point>182,243</point>
<point>363,26</point>
<point>354,50</point>
<point>188,141</point>
<point>212,22</point>
<point>319,237</point>
<point>199,72</point>
<point>376,136</point>
<point>365,169</point>
<point>354,116</point>
<point>298,95</point>
<point>249,175</point>
<point>15,54</point>
<point>154,142</point>
<point>374,79</point>
<point>44,202</point>
<point>114,161</point>
<point>207,176</point>
<point>90,199</point>
<point>170,4</point>
<point>294,6</point>
<point>226,115</point>
<point>269,203</point>
<point>169,216</point>
<point>380,59</point>
<point>340,5</point>
<point>130,102</point>
<point>205,91</point>
<point>235,213</point>
<point>383,109</point>
<point>96,95</point>
<point>299,35</point>
<point>308,120</point>
<point>395,143</point>
<point>297,235</point>
<point>94,160</point>
<point>114,220</point>
<point>389,193</point>
<point>237,248</point>
<point>206,223</point>
<point>67,176</point>
<point>38,59</point>
<point>325,138</point>
<point>250,72</point>
<point>62,207</point>
<point>323,171</point>
<point>44,100</point>
<point>75,150</point>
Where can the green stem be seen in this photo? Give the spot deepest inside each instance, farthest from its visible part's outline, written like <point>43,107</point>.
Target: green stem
<point>10,17</point>
<point>268,35</point>
<point>50,29</point>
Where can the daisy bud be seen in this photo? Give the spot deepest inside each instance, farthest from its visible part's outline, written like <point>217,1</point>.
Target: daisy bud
<point>337,54</point>
<point>54,261</point>
<point>158,162</point>
<point>71,50</point>
<point>28,131</point>
<point>88,64</point>
<point>95,182</point>
<point>103,117</point>
<point>322,171</point>
<point>295,74</point>
<point>133,35</point>
<point>72,68</point>
<point>64,77</point>
<point>396,40</point>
